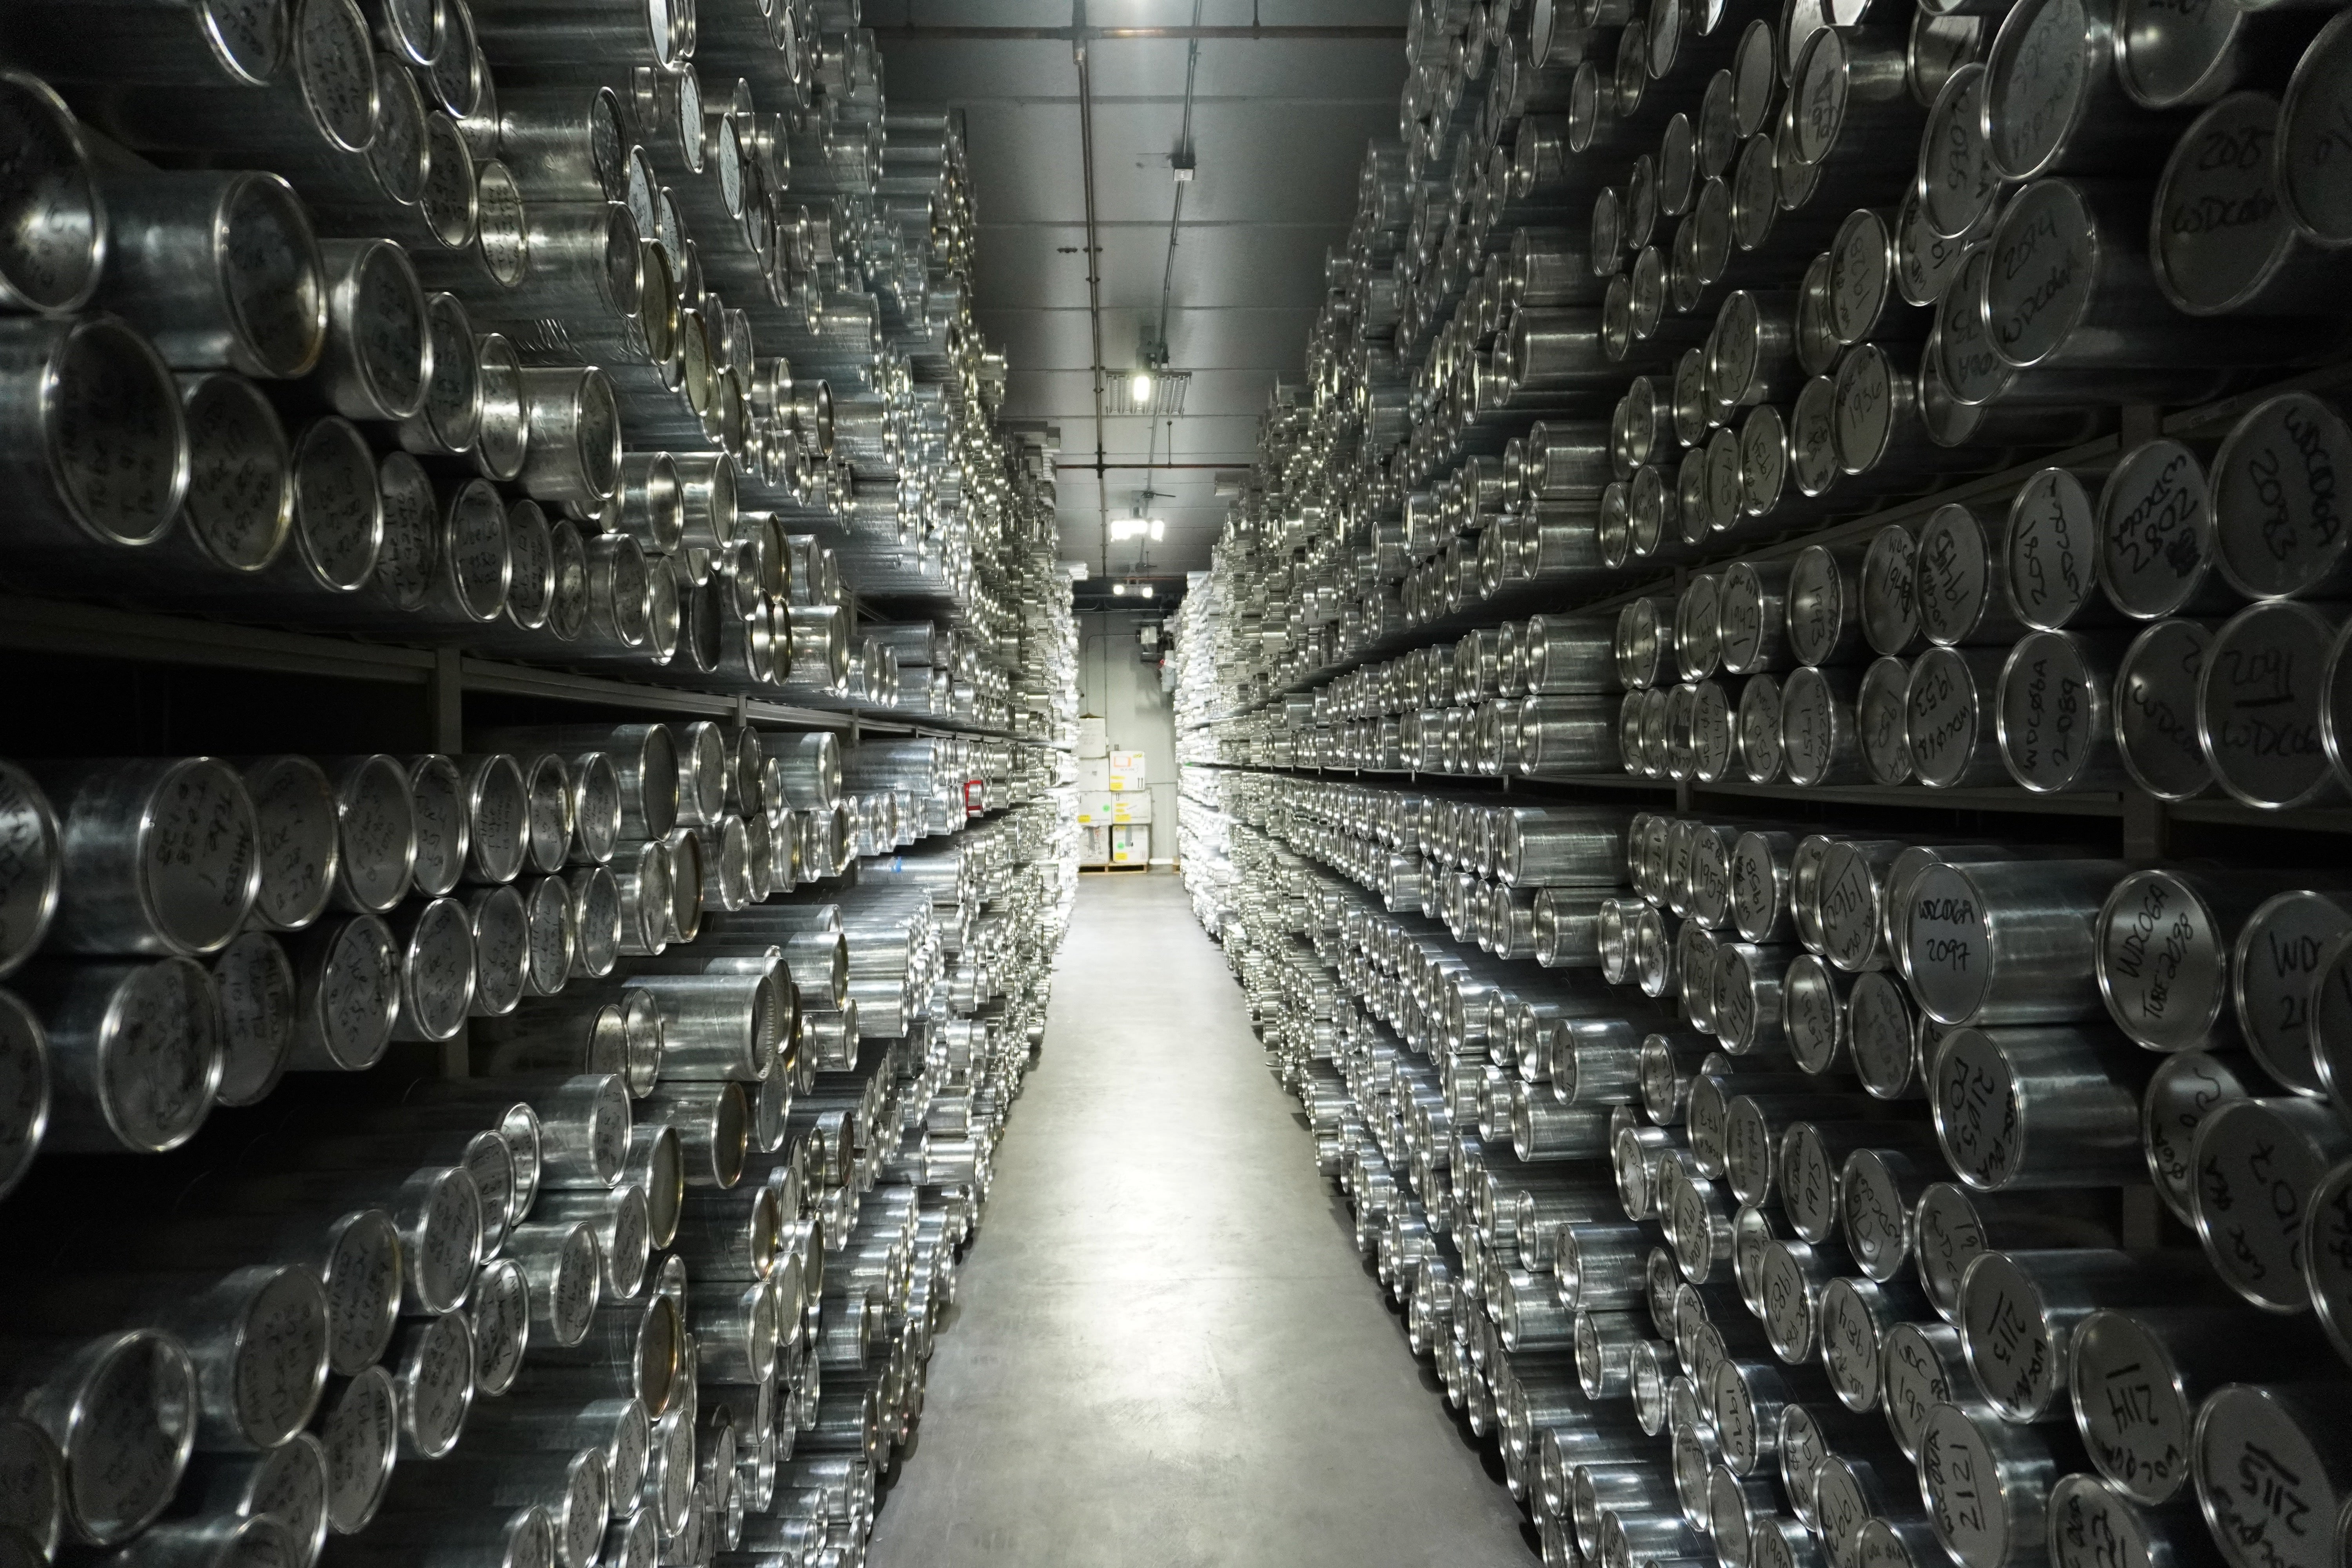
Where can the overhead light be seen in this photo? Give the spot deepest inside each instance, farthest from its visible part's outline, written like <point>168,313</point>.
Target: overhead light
<point>1119,588</point>
<point>1132,528</point>
<point>1158,529</point>
<point>1139,389</point>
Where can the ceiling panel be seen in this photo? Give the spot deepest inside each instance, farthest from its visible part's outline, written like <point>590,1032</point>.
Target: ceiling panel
<point>1268,339</point>
<point>1246,69</point>
<point>1025,160</point>
<point>968,71</point>
<point>1070,394</point>
<point>1278,132</point>
<point>1233,264</point>
<point>1259,160</point>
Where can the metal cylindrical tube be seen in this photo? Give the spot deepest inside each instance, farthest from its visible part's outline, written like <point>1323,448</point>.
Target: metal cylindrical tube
<point>2006,942</point>
<point>2136,1376</point>
<point>220,269</point>
<point>641,1343</point>
<point>2069,287</point>
<point>563,1268</point>
<point>588,1032</point>
<point>65,244</point>
<point>2167,941</point>
<point>433,1364</point>
<point>712,1121</point>
<point>99,444</point>
<point>2038,1106</point>
<point>256,1338</point>
<point>288,1487</point>
<point>2260,702</point>
<point>134,1051</point>
<point>2018,1311</point>
<point>2155,544</point>
<point>238,512</point>
<point>2279,528</point>
<point>296,845</point>
<point>596,917</point>
<point>573,451</point>
<point>498,809</point>
<point>1951,717</point>
<point>442,824</point>
<point>2155,708</point>
<point>1987,1486</point>
<point>2050,550</point>
<point>2258,1162</point>
<point>121,1410</point>
<point>347,975</point>
<point>436,940</point>
<point>2052,718</point>
<point>644,756</point>
<point>375,815</point>
<point>1819,741</point>
<point>1823,606</point>
<point>377,362</point>
<point>256,984</point>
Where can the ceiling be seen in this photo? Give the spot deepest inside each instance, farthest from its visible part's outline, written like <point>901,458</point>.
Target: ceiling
<point>1279,120</point>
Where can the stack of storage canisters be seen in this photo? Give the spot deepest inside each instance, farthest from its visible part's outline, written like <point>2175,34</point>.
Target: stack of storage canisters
<point>1769,740</point>
<point>530,859</point>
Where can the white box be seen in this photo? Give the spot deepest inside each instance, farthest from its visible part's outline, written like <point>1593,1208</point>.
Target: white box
<point>1127,770</point>
<point>1093,845</point>
<point>1093,736</point>
<point>1094,775</point>
<point>1132,805</point>
<point>1130,846</point>
<point>1095,810</point>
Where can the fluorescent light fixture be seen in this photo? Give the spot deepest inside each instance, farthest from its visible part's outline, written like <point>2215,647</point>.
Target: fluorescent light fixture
<point>1158,529</point>
<point>1139,389</point>
<point>1119,588</point>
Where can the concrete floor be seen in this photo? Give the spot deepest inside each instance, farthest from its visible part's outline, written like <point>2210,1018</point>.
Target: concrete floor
<point>1165,1351</point>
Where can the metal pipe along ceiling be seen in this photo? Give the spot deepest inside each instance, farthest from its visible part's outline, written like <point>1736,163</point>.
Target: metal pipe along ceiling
<point>1094,259</point>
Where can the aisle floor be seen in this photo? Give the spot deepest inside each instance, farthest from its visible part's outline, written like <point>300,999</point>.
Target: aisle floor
<point>1165,1351</point>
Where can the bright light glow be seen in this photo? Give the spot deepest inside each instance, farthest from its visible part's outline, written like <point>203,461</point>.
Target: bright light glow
<point>1140,388</point>
<point>1126,527</point>
<point>1118,587</point>
<point>1158,529</point>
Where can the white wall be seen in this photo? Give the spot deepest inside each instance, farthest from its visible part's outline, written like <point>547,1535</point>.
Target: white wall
<point>1115,681</point>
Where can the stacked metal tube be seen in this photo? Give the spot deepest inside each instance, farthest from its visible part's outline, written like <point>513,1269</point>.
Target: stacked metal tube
<point>1861,1161</point>
<point>459,337</point>
<point>568,1210</point>
<point>1777,1188</point>
<point>677,1237</point>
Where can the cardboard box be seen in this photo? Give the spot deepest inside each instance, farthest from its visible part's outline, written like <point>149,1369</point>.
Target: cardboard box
<point>1093,845</point>
<point>1130,846</point>
<point>1132,806</point>
<point>1127,770</point>
<point>1094,737</point>
<point>1095,810</point>
<point>1094,775</point>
